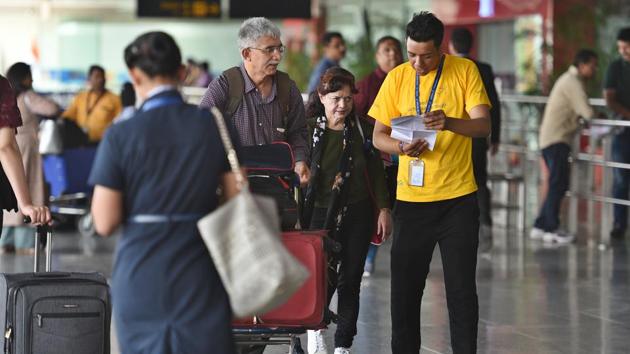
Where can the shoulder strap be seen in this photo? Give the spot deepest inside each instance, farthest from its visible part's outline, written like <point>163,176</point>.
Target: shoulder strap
<point>360,128</point>
<point>283,89</point>
<point>236,86</point>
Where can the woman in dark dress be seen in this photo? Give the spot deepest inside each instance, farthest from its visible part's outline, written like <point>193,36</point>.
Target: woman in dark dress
<point>156,174</point>
<point>347,186</point>
<point>11,160</point>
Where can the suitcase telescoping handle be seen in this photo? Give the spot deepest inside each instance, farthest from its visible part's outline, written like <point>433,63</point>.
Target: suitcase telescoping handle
<point>41,230</point>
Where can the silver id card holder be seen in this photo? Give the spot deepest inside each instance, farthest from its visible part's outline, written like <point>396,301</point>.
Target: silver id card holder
<point>416,173</point>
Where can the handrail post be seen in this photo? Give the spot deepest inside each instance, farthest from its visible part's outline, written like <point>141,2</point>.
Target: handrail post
<point>574,187</point>
<point>592,229</point>
<point>606,208</point>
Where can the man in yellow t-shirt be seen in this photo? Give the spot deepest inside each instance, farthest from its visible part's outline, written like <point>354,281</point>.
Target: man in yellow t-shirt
<point>436,200</point>
<point>95,109</point>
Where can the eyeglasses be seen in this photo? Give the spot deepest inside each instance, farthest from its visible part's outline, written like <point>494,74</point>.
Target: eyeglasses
<point>270,50</point>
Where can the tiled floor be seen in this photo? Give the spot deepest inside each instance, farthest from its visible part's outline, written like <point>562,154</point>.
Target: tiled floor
<point>533,298</point>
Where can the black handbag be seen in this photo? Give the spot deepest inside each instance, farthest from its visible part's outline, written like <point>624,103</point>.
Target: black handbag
<point>270,172</point>
<point>7,196</point>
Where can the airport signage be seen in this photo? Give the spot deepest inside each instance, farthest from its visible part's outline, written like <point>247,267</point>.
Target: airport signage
<point>179,8</point>
<point>270,8</point>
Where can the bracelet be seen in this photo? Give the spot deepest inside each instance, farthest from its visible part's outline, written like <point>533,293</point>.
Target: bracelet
<point>400,147</point>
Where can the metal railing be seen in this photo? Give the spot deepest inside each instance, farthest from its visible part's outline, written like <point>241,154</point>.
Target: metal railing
<point>521,121</point>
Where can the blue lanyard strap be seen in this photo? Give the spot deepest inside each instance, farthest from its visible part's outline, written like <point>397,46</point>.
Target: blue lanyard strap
<point>160,102</point>
<point>164,218</point>
<point>433,89</point>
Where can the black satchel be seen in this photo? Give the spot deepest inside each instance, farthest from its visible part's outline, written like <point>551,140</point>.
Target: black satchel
<point>72,135</point>
<point>7,197</point>
<point>270,172</point>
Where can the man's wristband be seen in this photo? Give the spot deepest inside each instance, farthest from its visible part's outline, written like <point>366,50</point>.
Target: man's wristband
<point>400,147</point>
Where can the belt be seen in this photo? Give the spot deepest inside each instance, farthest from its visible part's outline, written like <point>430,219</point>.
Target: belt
<point>164,218</point>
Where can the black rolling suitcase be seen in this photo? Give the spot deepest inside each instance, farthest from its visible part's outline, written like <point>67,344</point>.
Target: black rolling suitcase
<point>54,312</point>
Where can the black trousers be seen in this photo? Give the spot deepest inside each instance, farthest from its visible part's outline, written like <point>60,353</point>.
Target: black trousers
<point>621,178</point>
<point>453,225</point>
<point>557,160</point>
<point>480,169</point>
<point>391,176</point>
<point>346,268</point>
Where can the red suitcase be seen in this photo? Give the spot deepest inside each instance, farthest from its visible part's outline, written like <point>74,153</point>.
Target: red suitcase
<point>305,309</point>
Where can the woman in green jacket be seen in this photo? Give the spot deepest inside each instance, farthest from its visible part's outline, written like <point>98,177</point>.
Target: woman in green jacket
<point>346,195</point>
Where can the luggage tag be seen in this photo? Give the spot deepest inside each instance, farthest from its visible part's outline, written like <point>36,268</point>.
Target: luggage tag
<point>416,173</point>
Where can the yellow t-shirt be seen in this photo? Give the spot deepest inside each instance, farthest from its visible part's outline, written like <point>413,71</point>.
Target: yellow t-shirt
<point>92,113</point>
<point>448,171</point>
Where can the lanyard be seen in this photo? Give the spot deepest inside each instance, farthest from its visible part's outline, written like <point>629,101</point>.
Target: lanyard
<point>433,89</point>
<point>89,108</point>
<point>160,102</point>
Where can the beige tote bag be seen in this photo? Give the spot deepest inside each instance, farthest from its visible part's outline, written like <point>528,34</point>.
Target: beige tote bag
<point>243,237</point>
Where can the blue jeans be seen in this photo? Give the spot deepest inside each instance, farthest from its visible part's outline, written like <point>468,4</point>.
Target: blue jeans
<point>557,160</point>
<point>18,236</point>
<point>621,178</point>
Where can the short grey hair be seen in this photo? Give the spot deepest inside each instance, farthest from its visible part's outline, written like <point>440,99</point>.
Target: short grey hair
<point>255,28</point>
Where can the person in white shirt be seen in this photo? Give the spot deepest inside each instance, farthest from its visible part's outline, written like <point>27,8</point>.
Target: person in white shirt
<point>568,102</point>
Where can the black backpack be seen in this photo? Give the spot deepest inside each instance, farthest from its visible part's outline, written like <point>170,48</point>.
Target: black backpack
<point>236,87</point>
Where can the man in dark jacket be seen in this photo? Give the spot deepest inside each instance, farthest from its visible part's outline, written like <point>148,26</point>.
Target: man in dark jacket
<point>617,95</point>
<point>460,44</point>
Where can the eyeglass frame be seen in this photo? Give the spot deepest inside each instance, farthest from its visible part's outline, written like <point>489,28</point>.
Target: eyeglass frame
<point>271,49</point>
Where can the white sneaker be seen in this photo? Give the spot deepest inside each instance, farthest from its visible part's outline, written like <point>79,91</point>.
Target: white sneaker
<point>340,350</point>
<point>316,344</point>
<point>368,269</point>
<point>559,237</point>
<point>536,233</point>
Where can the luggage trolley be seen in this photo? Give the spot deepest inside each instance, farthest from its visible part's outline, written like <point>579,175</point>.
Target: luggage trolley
<point>305,310</point>
<point>270,172</point>
<point>67,174</point>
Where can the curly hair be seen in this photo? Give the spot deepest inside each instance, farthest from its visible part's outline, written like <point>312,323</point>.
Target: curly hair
<point>425,27</point>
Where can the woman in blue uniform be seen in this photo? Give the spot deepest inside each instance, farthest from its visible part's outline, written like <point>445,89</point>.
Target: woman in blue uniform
<point>156,174</point>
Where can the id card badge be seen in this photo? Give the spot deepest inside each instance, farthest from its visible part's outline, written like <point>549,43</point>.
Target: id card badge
<point>416,173</point>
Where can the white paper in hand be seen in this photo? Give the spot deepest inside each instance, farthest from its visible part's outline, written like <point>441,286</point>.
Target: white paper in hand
<point>410,128</point>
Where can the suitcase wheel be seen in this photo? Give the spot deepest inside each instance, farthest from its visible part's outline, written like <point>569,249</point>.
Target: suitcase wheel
<point>296,346</point>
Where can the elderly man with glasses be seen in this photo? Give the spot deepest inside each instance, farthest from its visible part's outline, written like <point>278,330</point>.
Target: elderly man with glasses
<point>263,103</point>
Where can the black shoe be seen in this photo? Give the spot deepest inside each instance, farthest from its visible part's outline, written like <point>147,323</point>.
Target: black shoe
<point>7,249</point>
<point>617,233</point>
